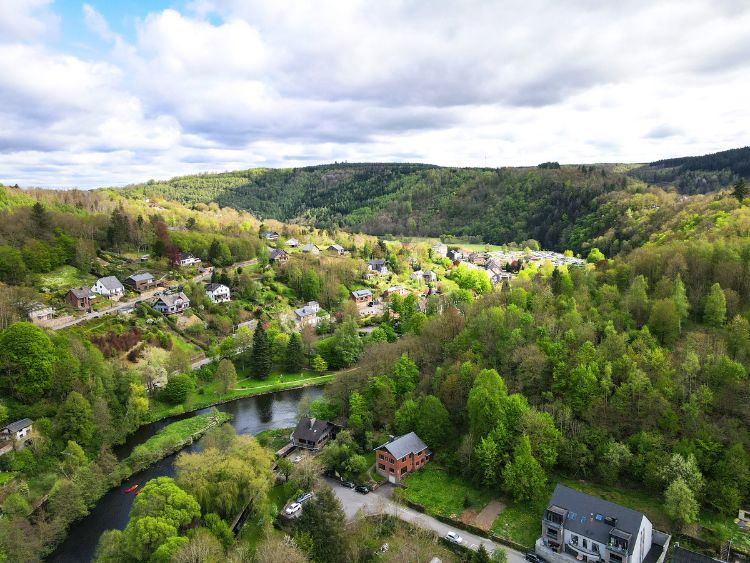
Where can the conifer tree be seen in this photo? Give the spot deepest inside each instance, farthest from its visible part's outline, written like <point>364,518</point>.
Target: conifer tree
<point>295,357</point>
<point>260,360</point>
<point>740,190</point>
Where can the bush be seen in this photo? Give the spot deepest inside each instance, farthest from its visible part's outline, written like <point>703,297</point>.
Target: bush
<point>177,389</point>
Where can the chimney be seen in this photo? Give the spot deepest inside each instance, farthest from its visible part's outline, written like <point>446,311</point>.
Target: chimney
<point>391,437</point>
<point>312,423</point>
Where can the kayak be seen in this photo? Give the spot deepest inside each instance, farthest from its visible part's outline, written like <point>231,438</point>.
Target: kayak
<point>138,492</point>
<point>131,489</point>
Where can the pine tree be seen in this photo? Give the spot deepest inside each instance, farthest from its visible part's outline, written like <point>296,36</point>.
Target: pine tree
<point>295,357</point>
<point>740,190</point>
<point>260,360</point>
<point>40,217</point>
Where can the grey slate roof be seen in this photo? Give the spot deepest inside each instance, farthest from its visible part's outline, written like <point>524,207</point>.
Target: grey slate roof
<point>169,300</point>
<point>276,252</point>
<point>682,555</point>
<point>310,248</point>
<point>141,277</point>
<point>362,293</point>
<point>81,292</point>
<point>111,283</point>
<point>404,445</point>
<point>586,515</point>
<point>18,425</point>
<point>311,428</point>
<point>214,286</point>
<point>336,247</point>
<point>376,263</point>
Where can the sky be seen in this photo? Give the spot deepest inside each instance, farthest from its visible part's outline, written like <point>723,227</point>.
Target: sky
<point>112,92</point>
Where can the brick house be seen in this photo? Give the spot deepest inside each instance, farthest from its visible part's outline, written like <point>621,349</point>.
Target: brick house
<point>400,456</point>
<point>79,297</point>
<point>362,297</point>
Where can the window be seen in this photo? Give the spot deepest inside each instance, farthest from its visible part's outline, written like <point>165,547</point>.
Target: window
<point>552,533</point>
<point>585,544</point>
<point>381,456</point>
<point>615,558</point>
<point>391,470</point>
<point>574,540</point>
<point>403,470</point>
<point>381,466</point>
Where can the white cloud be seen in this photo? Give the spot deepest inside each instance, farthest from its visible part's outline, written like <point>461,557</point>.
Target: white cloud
<point>230,83</point>
<point>26,20</point>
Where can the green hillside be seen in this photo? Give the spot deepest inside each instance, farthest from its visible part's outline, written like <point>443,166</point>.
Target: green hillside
<point>615,207</point>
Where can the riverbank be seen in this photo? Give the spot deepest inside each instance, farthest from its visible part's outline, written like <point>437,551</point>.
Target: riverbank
<point>170,440</point>
<point>210,395</point>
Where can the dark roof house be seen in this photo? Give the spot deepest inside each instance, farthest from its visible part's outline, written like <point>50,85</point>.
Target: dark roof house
<point>404,445</point>
<point>592,529</point>
<point>312,433</point>
<point>401,456</point>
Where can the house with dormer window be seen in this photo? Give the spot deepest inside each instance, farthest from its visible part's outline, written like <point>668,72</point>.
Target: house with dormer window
<point>581,527</point>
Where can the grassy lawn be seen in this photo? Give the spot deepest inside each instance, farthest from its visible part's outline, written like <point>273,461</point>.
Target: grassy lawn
<point>211,393</point>
<point>6,476</point>
<point>441,493</point>
<point>520,522</point>
<point>274,439</point>
<point>63,278</point>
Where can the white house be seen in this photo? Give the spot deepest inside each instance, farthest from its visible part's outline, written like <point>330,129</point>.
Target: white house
<point>217,293</point>
<point>108,287</point>
<point>377,267</point>
<point>439,249</point>
<point>15,435</point>
<point>590,529</point>
<point>171,304</point>
<point>307,315</point>
<point>186,259</point>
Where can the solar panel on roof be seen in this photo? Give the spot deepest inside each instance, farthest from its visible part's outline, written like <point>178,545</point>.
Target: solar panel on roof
<point>599,517</point>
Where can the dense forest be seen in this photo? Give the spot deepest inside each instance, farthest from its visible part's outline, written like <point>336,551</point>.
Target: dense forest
<point>561,207</point>
<point>698,174</point>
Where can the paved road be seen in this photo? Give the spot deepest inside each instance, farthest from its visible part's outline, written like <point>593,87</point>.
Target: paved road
<point>379,502</point>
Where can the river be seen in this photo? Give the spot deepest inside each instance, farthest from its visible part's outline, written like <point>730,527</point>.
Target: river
<point>250,416</point>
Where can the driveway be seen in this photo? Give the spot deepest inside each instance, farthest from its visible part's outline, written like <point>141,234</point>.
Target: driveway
<point>379,502</point>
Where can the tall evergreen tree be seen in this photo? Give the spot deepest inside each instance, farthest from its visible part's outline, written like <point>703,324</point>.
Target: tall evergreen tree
<point>260,360</point>
<point>295,356</point>
<point>740,190</point>
<point>40,217</point>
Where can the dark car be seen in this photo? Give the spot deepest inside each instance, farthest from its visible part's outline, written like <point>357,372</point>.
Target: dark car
<point>534,558</point>
<point>364,489</point>
<point>348,484</point>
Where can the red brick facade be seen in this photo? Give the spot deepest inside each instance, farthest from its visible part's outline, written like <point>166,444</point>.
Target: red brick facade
<point>395,469</point>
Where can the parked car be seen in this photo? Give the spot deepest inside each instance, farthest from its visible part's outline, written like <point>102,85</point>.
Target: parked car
<point>348,484</point>
<point>364,489</point>
<point>453,537</point>
<point>293,508</point>
<point>303,498</point>
<point>534,558</point>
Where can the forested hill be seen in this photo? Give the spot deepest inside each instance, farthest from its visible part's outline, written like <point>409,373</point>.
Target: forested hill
<point>698,174</point>
<point>561,207</point>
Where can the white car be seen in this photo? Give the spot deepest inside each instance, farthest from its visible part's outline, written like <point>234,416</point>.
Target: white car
<point>453,537</point>
<point>293,508</point>
<point>297,459</point>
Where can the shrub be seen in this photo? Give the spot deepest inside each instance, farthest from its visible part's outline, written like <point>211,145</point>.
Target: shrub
<point>177,389</point>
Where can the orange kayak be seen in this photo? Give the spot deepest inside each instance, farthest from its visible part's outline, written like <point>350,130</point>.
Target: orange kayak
<point>131,489</point>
